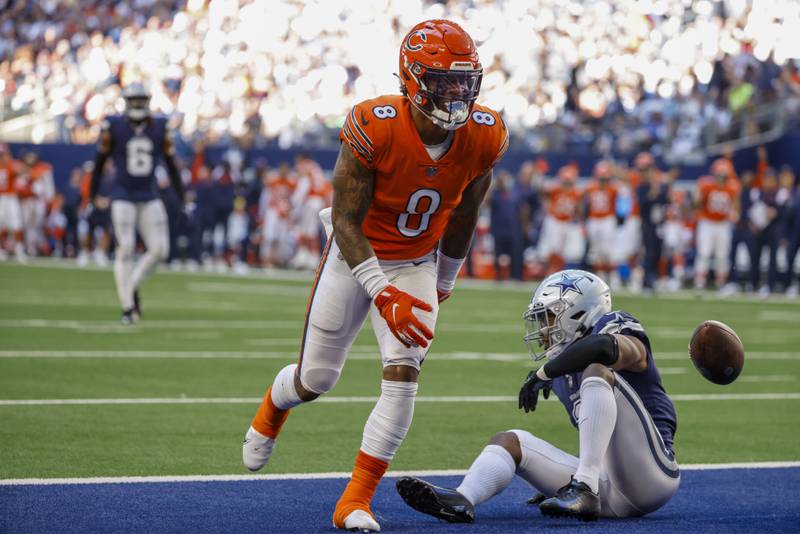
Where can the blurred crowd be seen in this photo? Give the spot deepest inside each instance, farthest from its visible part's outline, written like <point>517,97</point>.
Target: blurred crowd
<point>641,227</point>
<point>635,225</point>
<point>230,218</point>
<point>609,75</point>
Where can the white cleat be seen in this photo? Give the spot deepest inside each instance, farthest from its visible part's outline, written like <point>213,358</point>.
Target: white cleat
<point>361,521</point>
<point>256,449</point>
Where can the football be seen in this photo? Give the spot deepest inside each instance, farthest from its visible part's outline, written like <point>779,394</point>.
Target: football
<point>717,352</point>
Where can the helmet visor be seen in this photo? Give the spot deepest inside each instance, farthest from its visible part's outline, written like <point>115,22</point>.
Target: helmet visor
<point>450,93</point>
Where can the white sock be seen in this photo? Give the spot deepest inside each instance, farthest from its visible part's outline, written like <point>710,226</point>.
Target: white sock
<point>489,474</point>
<point>390,420</point>
<point>123,266</point>
<point>146,265</point>
<point>284,395</point>
<point>598,416</point>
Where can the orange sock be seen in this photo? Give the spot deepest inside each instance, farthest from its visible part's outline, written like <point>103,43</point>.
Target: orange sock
<point>269,419</point>
<point>367,472</point>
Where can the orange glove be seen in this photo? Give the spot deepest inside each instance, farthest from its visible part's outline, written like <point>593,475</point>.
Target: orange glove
<point>443,295</point>
<point>396,308</point>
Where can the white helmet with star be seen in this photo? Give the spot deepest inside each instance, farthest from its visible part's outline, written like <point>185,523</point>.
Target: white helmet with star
<point>564,306</point>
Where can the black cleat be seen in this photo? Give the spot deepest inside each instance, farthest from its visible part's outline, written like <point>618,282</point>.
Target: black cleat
<point>442,503</point>
<point>573,500</point>
<point>137,304</point>
<point>128,317</point>
<point>537,499</point>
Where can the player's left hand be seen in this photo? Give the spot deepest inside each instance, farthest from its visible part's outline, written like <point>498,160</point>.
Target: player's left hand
<point>529,392</point>
<point>443,295</point>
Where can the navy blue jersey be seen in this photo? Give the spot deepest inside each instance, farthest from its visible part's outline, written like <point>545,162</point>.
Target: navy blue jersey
<point>136,150</point>
<point>647,384</point>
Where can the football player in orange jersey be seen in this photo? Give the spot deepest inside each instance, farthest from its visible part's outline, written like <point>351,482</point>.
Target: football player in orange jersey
<point>34,198</point>
<point>601,222</point>
<point>561,238</point>
<point>10,213</point>
<point>412,172</point>
<point>717,198</point>
<point>313,194</point>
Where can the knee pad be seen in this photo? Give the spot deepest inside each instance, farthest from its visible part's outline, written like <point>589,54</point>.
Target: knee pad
<point>318,380</point>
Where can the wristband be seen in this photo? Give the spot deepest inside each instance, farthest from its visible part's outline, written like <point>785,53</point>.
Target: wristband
<point>370,275</point>
<point>447,269</point>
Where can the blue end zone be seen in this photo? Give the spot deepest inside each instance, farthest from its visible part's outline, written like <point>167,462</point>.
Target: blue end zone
<point>734,500</point>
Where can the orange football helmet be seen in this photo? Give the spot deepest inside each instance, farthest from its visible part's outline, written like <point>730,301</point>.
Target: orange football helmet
<point>722,168</point>
<point>440,72</point>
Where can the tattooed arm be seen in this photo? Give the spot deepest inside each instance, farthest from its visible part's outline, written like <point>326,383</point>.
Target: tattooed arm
<point>352,194</point>
<point>458,234</point>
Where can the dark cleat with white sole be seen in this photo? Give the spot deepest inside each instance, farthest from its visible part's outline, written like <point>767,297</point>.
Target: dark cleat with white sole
<point>442,503</point>
<point>576,500</point>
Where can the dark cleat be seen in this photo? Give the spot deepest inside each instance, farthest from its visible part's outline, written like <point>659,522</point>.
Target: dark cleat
<point>442,503</point>
<point>128,317</point>
<point>537,499</point>
<point>573,500</point>
<point>137,304</point>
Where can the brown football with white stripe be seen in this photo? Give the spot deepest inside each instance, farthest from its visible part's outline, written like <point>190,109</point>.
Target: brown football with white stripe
<point>717,352</point>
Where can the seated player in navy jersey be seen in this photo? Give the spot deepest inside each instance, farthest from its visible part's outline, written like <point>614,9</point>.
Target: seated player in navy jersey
<point>601,367</point>
<point>136,143</point>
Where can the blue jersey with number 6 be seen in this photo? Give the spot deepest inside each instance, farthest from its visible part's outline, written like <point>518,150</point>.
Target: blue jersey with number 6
<point>136,149</point>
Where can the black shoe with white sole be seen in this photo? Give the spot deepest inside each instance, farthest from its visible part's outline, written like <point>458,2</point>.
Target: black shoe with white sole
<point>442,503</point>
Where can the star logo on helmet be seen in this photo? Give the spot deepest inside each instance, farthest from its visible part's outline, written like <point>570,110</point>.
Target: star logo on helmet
<point>568,283</point>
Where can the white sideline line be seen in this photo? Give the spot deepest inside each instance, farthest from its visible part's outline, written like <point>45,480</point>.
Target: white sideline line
<point>690,397</point>
<point>328,475</point>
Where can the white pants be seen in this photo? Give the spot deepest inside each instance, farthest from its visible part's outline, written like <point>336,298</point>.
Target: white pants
<point>337,310</point>
<point>600,231</point>
<point>563,238</point>
<point>10,213</point>
<point>714,239</point>
<point>627,240</point>
<point>639,476</point>
<point>309,216</point>
<point>33,212</point>
<point>150,219</point>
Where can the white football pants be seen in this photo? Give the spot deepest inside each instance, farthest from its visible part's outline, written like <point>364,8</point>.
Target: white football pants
<point>150,219</point>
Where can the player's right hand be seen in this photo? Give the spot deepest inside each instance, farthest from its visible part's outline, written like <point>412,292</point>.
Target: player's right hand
<point>397,308</point>
<point>529,392</point>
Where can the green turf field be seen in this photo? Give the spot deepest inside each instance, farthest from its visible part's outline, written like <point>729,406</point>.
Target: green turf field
<point>223,338</point>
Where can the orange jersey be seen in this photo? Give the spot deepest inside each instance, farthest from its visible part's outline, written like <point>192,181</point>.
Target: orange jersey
<point>717,200</point>
<point>601,199</point>
<point>413,195</point>
<point>280,194</point>
<point>563,203</point>
<point>321,188</point>
<point>8,177</point>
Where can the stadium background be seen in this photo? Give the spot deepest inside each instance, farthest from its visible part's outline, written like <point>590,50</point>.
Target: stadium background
<point>578,82</point>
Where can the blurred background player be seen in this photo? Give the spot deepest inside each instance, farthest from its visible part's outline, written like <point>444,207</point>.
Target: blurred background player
<point>717,198</point>
<point>601,222</point>
<point>10,213</point>
<point>94,224</point>
<point>275,214</point>
<point>561,239</point>
<point>411,175</point>
<point>601,367</point>
<point>36,191</point>
<point>652,196</point>
<point>312,195</point>
<point>136,143</point>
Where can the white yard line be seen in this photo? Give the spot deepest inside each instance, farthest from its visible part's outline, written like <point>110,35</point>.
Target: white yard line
<point>319,476</point>
<point>357,352</point>
<point>691,397</point>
